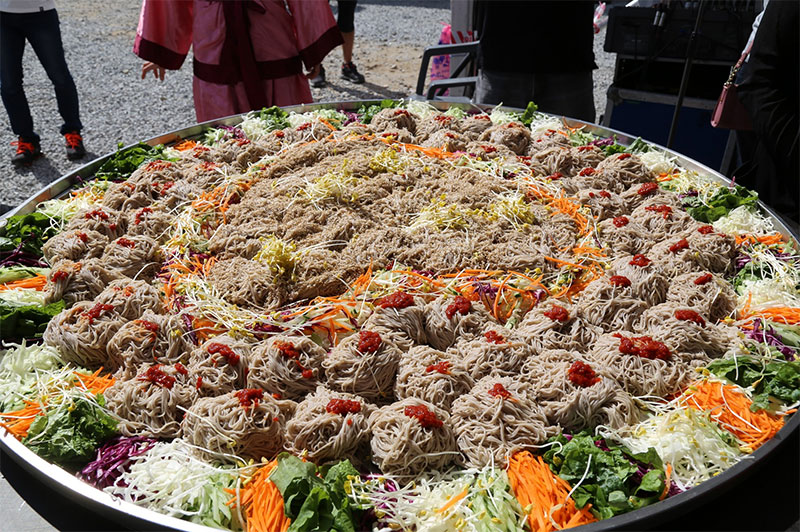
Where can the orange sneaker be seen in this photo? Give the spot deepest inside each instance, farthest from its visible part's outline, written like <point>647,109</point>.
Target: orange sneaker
<point>75,147</point>
<point>27,151</point>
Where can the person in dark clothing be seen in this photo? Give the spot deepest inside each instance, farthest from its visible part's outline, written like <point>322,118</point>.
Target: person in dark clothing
<point>537,51</point>
<point>37,23</point>
<point>345,20</point>
<point>770,90</point>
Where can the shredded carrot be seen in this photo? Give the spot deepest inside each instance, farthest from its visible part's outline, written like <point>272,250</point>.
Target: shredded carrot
<point>788,315</point>
<point>262,502</point>
<point>19,421</point>
<point>424,278</point>
<point>543,495</point>
<point>330,126</point>
<point>497,297</point>
<point>730,407</point>
<point>565,263</point>
<point>453,500</point>
<point>95,383</point>
<point>37,283</point>
<point>665,492</point>
<point>185,145</point>
<point>764,239</point>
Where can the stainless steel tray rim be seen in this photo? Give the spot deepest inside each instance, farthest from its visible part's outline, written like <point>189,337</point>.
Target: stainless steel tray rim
<point>668,508</point>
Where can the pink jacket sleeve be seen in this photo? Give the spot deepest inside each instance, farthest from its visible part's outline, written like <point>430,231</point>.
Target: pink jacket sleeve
<point>315,29</point>
<point>165,32</point>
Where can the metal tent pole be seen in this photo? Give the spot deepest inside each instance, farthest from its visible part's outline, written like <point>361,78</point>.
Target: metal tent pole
<point>687,66</point>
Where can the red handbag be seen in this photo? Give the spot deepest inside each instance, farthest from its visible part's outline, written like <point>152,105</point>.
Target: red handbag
<point>729,113</point>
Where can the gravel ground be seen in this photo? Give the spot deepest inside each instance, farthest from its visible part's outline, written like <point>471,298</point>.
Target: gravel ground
<point>118,107</point>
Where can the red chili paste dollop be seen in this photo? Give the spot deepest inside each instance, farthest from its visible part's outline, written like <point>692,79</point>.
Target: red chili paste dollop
<point>83,237</point>
<point>703,279</point>
<point>460,304</point>
<point>690,315</point>
<point>620,221</point>
<point>126,242</point>
<point>397,300</point>
<point>639,260</point>
<point>619,280</point>
<point>663,210</point>
<point>180,368</point>
<point>149,325</point>
<point>493,337</point>
<point>604,194</point>
<point>342,407</point>
<point>623,156</point>
<point>140,215</point>
<point>155,375</point>
<point>557,313</point>
<point>643,346</point>
<point>498,390</point>
<point>582,374</point>
<point>249,397</point>
<point>59,275</point>
<point>442,367</point>
<point>95,312</point>
<point>705,229</point>
<point>425,417</point>
<point>97,214</point>
<point>679,245</point>
<point>647,189</point>
<point>287,349</point>
<point>587,172</point>
<point>557,175</point>
<point>225,352</point>
<point>368,341</point>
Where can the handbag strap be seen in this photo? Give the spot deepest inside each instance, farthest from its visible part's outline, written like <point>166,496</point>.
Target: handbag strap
<point>739,63</point>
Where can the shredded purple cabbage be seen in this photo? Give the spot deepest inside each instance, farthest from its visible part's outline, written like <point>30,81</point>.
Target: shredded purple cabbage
<point>351,117</point>
<point>485,289</point>
<point>742,260</point>
<point>608,141</point>
<point>689,194</point>
<point>187,321</point>
<point>113,459</point>
<point>233,132</point>
<point>771,338</point>
<point>17,257</point>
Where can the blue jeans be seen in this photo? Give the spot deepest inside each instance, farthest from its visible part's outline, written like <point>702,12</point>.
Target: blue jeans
<point>43,31</point>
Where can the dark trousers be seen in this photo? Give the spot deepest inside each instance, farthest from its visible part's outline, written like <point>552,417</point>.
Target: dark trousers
<point>569,94</point>
<point>42,30</point>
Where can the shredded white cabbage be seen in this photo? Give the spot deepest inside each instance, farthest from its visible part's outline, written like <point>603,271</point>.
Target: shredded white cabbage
<point>539,126</point>
<point>21,366</point>
<point>298,119</point>
<point>169,479</point>
<point>658,161</point>
<point>687,439</point>
<point>421,108</point>
<point>504,117</point>
<point>253,126</point>
<point>23,296</point>
<point>744,220</point>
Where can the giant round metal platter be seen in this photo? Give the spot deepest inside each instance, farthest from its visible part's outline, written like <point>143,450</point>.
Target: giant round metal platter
<point>137,517</point>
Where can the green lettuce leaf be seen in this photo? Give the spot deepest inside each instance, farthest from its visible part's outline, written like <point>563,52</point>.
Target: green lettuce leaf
<point>721,203</point>
<point>605,478</point>
<point>31,230</point>
<point>70,434</point>
<point>314,503</point>
<point>367,113</point>
<point>124,162</point>
<point>26,321</point>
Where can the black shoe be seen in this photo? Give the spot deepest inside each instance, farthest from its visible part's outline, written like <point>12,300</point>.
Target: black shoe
<point>27,151</point>
<point>319,81</point>
<point>350,73</point>
<point>75,148</point>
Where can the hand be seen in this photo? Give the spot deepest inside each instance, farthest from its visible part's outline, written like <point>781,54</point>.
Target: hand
<point>313,73</point>
<point>158,71</point>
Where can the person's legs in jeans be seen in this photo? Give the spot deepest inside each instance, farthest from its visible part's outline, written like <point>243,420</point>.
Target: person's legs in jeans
<point>44,34</point>
<point>12,47</point>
